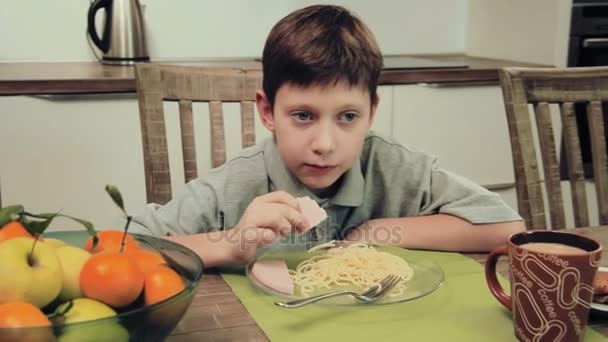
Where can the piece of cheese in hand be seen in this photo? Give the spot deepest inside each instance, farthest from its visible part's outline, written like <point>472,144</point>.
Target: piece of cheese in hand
<point>274,274</point>
<point>313,214</point>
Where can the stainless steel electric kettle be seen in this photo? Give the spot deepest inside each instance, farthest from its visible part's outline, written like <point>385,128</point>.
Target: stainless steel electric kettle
<point>124,39</point>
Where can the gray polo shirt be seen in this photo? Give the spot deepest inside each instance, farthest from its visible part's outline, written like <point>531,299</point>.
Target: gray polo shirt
<point>388,180</point>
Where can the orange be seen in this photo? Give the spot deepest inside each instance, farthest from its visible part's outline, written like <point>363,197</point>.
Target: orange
<point>112,278</point>
<point>13,229</point>
<point>145,259</point>
<point>110,241</point>
<point>161,283</point>
<point>19,315</point>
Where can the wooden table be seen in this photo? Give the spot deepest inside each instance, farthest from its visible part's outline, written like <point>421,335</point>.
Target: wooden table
<point>216,314</point>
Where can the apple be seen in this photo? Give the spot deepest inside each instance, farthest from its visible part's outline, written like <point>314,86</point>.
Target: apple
<point>72,259</point>
<point>96,329</point>
<point>30,277</point>
<point>56,243</point>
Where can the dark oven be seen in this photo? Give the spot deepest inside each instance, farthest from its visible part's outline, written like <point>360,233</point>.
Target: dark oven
<point>588,46</point>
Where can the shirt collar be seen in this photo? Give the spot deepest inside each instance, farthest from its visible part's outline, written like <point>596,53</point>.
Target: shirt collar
<point>350,193</point>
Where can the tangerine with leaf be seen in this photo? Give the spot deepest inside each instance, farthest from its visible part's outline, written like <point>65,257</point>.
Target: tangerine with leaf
<point>111,241</point>
<point>111,278</point>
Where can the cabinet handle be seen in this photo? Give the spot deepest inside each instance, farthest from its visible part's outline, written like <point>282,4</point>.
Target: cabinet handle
<point>595,43</point>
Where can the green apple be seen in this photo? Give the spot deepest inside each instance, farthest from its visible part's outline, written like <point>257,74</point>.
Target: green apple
<point>72,259</point>
<point>56,243</point>
<point>88,313</point>
<point>31,277</point>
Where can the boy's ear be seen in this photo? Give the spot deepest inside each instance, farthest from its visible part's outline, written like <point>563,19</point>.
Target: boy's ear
<point>264,110</point>
<point>372,113</point>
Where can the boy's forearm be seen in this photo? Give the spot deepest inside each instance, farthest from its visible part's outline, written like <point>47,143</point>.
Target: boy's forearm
<point>437,232</point>
<point>214,248</point>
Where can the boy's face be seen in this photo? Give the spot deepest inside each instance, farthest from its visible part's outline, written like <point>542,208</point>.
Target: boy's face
<point>319,130</point>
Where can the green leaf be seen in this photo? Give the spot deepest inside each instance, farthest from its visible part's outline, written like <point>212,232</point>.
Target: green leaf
<point>43,216</point>
<point>88,225</point>
<point>36,227</point>
<point>133,219</point>
<point>10,213</point>
<point>116,197</point>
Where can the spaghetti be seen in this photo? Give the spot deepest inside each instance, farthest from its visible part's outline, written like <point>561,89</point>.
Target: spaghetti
<point>358,265</point>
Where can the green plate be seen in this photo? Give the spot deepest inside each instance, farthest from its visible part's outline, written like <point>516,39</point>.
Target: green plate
<point>428,276</point>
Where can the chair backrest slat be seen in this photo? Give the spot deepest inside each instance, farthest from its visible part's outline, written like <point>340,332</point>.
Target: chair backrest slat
<point>157,83</point>
<point>550,164</point>
<point>598,152</point>
<point>154,138</point>
<point>575,165</point>
<point>187,133</point>
<point>247,124</point>
<point>218,139</point>
<point>541,87</point>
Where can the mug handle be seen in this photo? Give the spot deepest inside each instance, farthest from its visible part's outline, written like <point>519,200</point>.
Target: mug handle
<point>492,279</point>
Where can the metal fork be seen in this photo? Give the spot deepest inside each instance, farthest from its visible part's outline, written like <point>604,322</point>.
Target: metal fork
<point>371,295</point>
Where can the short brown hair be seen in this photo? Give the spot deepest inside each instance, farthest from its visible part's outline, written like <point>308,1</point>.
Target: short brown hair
<point>321,44</point>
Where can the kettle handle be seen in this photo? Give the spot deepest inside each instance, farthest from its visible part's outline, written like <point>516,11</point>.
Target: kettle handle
<point>102,44</point>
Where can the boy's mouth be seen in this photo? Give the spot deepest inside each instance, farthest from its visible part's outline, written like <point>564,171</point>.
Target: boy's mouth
<point>318,169</point>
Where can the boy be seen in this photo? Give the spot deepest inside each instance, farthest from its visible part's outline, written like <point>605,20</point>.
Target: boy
<point>321,67</point>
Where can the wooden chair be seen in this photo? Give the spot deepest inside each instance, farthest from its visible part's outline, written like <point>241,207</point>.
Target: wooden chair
<point>564,87</point>
<point>187,84</point>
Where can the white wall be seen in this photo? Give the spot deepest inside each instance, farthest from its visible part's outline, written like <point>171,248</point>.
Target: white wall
<point>180,29</point>
<point>412,26</point>
<point>519,30</point>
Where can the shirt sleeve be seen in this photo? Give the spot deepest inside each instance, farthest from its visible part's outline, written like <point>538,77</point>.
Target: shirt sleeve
<point>449,193</point>
<point>193,210</point>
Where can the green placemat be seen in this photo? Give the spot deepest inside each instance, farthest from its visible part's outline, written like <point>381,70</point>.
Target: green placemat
<point>463,309</point>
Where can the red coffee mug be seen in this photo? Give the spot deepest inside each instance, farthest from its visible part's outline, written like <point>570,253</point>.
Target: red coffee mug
<point>551,275</point>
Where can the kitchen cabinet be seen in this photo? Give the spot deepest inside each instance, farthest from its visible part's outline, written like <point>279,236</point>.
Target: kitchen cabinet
<point>465,126</point>
<point>58,153</point>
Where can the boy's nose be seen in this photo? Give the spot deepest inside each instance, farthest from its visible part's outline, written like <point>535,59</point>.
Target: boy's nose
<point>324,142</point>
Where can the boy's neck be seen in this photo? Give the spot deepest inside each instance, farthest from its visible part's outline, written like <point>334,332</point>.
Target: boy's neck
<point>328,192</point>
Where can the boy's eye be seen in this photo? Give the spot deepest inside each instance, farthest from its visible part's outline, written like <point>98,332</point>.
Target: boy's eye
<point>302,116</point>
<point>349,116</point>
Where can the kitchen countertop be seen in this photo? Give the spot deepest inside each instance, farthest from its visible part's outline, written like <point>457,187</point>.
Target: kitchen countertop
<point>40,78</point>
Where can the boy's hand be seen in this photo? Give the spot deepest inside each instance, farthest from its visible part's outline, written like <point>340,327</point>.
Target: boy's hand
<point>266,219</point>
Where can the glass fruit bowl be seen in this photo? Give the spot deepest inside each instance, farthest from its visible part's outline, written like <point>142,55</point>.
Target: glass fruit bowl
<point>136,322</point>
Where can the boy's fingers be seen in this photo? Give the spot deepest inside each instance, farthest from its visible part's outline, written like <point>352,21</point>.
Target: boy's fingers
<point>294,217</point>
<point>283,226</point>
<point>266,237</point>
<point>283,219</point>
